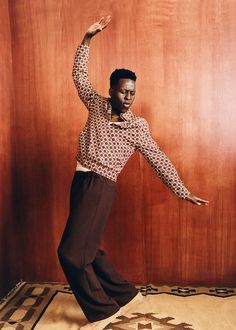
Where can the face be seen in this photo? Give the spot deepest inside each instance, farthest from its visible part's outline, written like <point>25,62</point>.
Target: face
<point>122,95</point>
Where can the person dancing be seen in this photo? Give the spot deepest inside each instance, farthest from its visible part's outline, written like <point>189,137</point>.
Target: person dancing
<point>111,135</point>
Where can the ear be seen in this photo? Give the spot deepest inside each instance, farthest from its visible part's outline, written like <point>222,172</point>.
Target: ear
<point>110,91</point>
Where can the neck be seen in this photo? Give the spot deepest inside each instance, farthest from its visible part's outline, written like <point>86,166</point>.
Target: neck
<point>113,109</point>
<point>115,117</point>
<point>115,113</point>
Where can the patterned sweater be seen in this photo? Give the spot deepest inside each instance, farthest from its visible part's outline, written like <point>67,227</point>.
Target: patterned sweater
<point>106,147</point>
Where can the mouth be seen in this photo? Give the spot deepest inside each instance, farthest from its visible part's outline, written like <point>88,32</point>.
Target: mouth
<point>126,104</point>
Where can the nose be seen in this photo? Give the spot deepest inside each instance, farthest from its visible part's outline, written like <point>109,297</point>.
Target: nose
<point>127,96</point>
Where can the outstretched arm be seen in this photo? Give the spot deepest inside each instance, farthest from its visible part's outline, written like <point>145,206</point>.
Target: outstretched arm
<point>80,68</point>
<point>163,166</point>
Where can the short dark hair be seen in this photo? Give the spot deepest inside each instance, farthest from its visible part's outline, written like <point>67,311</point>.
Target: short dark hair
<point>121,74</point>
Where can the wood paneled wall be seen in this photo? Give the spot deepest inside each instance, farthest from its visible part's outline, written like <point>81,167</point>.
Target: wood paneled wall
<point>9,273</point>
<point>183,53</point>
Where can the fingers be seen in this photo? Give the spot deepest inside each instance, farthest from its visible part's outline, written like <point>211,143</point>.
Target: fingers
<point>104,21</point>
<point>196,200</point>
<point>101,19</point>
<point>200,201</point>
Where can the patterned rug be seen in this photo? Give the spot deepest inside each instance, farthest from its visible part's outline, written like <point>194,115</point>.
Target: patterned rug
<point>50,306</point>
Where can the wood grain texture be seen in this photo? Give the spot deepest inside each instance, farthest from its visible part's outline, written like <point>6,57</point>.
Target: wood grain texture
<point>183,53</point>
<point>9,273</point>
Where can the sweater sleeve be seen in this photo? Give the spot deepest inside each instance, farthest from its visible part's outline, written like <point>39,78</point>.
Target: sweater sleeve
<point>160,162</point>
<point>81,78</point>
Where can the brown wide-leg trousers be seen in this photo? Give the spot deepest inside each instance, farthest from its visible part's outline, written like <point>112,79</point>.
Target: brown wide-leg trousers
<point>98,288</point>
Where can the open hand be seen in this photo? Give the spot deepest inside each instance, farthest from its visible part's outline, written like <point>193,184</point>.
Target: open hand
<point>98,26</point>
<point>196,200</point>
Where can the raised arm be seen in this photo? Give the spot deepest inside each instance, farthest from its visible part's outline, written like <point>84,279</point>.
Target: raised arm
<point>163,166</point>
<point>80,68</point>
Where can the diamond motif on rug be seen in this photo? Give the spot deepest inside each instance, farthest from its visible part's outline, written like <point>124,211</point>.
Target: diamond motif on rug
<point>146,321</point>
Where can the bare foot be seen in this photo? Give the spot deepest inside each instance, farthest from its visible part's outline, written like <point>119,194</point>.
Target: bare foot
<point>132,304</point>
<point>100,325</point>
